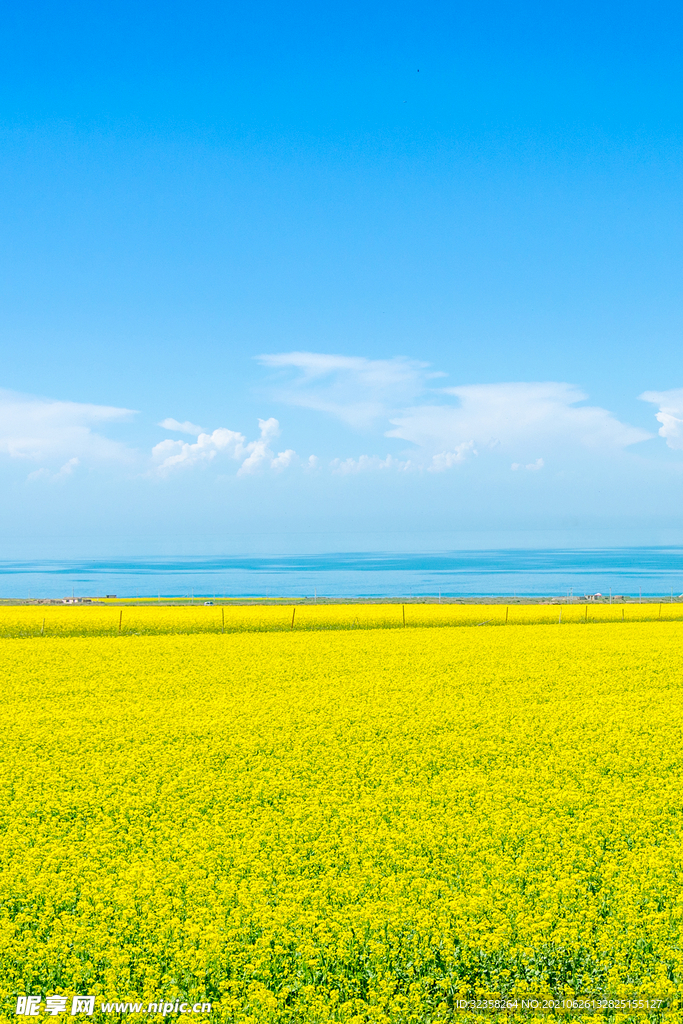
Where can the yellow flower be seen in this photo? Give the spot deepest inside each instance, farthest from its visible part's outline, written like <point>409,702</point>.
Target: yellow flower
<point>348,820</point>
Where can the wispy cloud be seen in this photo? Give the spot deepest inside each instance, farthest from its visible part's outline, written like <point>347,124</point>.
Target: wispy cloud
<point>356,390</point>
<point>63,473</point>
<point>373,463</point>
<point>510,417</point>
<point>182,428</point>
<point>446,460</point>
<point>370,463</point>
<point>50,431</point>
<point>253,456</point>
<point>440,428</point>
<point>447,425</point>
<point>670,414</point>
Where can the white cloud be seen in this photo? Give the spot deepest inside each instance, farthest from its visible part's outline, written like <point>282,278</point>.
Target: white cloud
<point>183,428</point>
<point>283,459</point>
<point>65,471</point>
<point>532,467</point>
<point>510,417</point>
<point>253,455</point>
<point>46,430</point>
<point>370,463</point>
<point>517,419</point>
<point>354,389</point>
<point>670,414</point>
<point>172,454</point>
<point>260,453</point>
<point>446,460</point>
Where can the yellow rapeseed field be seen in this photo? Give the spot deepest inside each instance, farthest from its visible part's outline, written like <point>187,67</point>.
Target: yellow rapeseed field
<point>360,825</point>
<point>112,619</point>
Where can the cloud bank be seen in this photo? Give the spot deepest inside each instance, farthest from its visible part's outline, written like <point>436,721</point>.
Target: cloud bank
<point>182,428</point>
<point>532,425</point>
<point>512,418</point>
<point>253,456</point>
<point>46,430</point>
<point>356,390</point>
<point>670,414</point>
<point>527,421</point>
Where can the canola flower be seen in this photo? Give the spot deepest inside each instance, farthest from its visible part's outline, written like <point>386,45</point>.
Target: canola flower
<point>108,619</point>
<point>352,825</point>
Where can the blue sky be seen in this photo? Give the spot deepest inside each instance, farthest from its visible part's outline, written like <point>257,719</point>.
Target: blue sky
<point>352,276</point>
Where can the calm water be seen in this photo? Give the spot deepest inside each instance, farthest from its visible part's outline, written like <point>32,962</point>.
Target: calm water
<point>654,571</point>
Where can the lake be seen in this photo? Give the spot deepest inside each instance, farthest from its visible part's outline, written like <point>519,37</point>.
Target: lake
<point>653,571</point>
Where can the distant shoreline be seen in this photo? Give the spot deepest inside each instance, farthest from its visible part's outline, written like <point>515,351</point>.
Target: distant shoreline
<point>207,600</point>
<point>489,577</point>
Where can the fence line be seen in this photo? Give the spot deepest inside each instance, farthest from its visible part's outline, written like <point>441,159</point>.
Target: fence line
<point>23,621</point>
